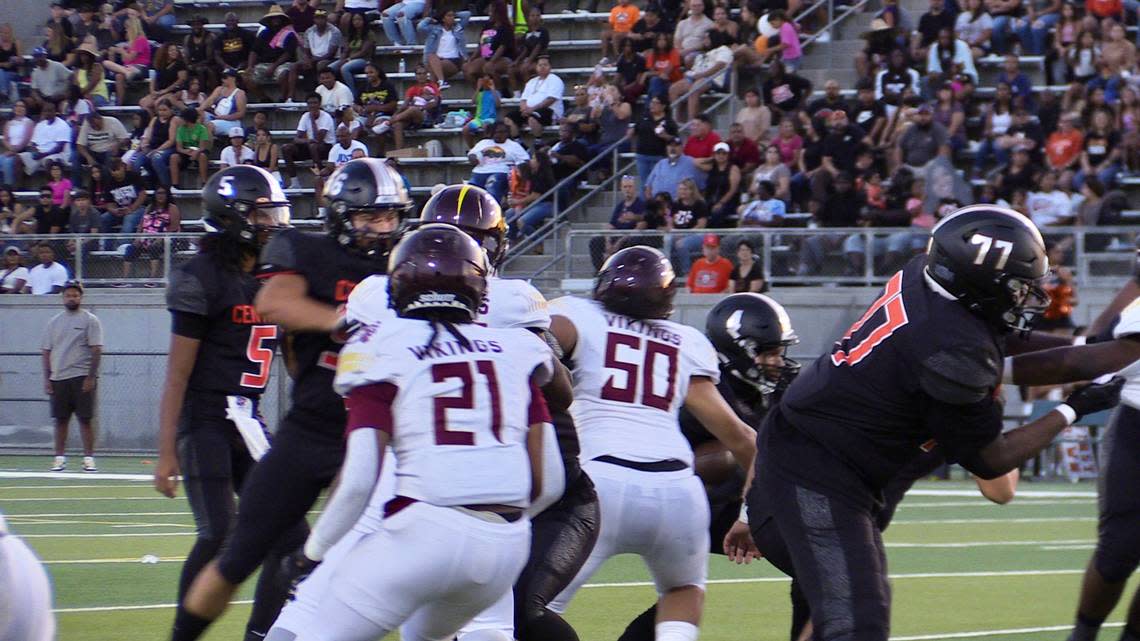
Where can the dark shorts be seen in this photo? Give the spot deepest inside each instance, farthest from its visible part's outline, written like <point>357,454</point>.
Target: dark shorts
<point>1117,554</point>
<point>544,116</point>
<point>68,397</point>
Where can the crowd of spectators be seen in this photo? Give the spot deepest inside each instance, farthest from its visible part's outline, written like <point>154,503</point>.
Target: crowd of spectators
<point>920,134</point>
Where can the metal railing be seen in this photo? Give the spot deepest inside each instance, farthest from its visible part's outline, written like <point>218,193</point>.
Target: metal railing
<point>850,255</point>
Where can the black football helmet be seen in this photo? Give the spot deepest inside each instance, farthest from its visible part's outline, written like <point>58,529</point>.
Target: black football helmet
<point>437,272</point>
<point>743,327</point>
<point>993,260</point>
<point>247,202</point>
<point>473,210</point>
<point>637,282</point>
<point>364,186</point>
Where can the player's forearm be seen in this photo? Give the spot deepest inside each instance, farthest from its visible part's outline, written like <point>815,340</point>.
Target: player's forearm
<point>1013,448</point>
<point>1125,296</point>
<point>1072,364</point>
<point>357,480</point>
<point>170,407</point>
<point>294,310</point>
<point>1035,342</point>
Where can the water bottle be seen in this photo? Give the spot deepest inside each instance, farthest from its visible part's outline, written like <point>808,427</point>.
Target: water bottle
<point>403,65</point>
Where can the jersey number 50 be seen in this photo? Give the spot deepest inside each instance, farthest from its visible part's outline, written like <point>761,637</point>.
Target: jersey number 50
<point>628,392</point>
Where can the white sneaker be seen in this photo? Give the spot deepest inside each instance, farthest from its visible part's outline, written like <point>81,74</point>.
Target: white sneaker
<point>444,85</point>
<point>582,11</point>
<point>295,183</point>
<point>605,62</point>
<point>381,128</point>
<point>89,464</point>
<point>60,464</point>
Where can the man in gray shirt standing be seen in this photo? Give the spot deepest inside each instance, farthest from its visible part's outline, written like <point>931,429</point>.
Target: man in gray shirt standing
<point>72,348</point>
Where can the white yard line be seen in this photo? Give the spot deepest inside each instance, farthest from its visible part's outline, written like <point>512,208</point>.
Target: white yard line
<point>11,517</point>
<point>1048,494</point>
<point>993,633</point>
<point>156,497</point>
<point>981,503</point>
<point>117,535</point>
<point>94,476</point>
<point>1059,544</point>
<point>1042,519</point>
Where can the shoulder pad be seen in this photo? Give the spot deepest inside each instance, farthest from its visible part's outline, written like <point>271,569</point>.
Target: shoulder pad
<point>280,255</point>
<point>368,302</point>
<point>1129,322</point>
<point>186,293</point>
<point>960,375</point>
<point>516,303</point>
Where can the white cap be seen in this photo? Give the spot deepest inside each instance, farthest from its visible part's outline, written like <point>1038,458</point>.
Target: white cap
<point>237,132</point>
<point>721,146</point>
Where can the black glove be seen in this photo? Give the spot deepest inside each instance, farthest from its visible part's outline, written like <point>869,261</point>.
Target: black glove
<point>295,567</point>
<point>1094,398</point>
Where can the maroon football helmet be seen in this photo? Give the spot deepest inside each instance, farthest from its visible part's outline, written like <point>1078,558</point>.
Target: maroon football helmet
<point>437,272</point>
<point>473,210</point>
<point>637,282</point>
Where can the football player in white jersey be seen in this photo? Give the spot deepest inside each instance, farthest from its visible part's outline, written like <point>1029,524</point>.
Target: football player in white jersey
<point>455,537</point>
<point>633,370</point>
<point>25,591</point>
<point>508,303</point>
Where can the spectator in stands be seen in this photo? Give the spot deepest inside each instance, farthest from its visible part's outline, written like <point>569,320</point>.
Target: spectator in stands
<point>652,133</point>
<point>157,145</point>
<point>314,135</point>
<point>1101,151</point>
<point>1019,83</point>
<point>831,101</point>
<point>788,49</point>
<point>303,13</point>
<point>59,43</point>
<point>398,21</point>
<point>755,117</point>
<point>356,49</point>
<point>711,273</point>
<point>725,25</point>
<point>541,103</point>
<point>613,117</point>
<point>487,102</point>
<point>236,153</point>
<point>774,171</point>
<point>789,142</point>
<point>668,173</point>
<point>867,113</point>
<point>628,215</point>
<point>532,44</point>
<point>157,17</point>
<point>841,207</point>
<point>1017,176</point>
<point>89,76</point>
<point>747,275</point>
<point>421,107</point>
<point>83,218</point>
<point>997,120</point>
<point>319,48</point>
<point>226,105</point>
<point>711,70</point>
<point>192,96</point>
<point>275,52</point>
<point>1033,28</point>
<point>930,23</point>
<point>975,26</point>
<point>765,209</point>
<point>347,117</point>
<point>1024,132</point>
<point>493,159</point>
<point>722,187</point>
<point>838,151</point>
<point>1117,52</point>
<point>49,217</point>
<point>11,63</point>
<point>1105,8</point>
<point>572,7</point>
<point>335,95</point>
<point>949,113</point>
<point>125,195</point>
<point>893,81</point>
<point>345,149</point>
<point>445,42</point>
<point>1003,13</point>
<point>192,142</point>
<point>236,48</point>
<point>580,114</point>
<point>18,132</point>
<point>529,181</point>
<point>49,81</point>
<point>744,153</point>
<point>496,46</point>
<point>663,67</point>
<point>688,37</point>
<point>1081,57</point>
<point>50,143</point>
<point>645,31</point>
<point>60,186</point>
<point>201,49</point>
<point>700,144</point>
<point>567,155</point>
<point>947,59</point>
<point>162,216</point>
<point>48,276</point>
<point>785,92</point>
<point>689,212</point>
<point>1107,82</point>
<point>84,22</point>
<point>1063,147</point>
<point>14,276</point>
<point>168,77</point>
<point>1047,204</point>
<point>131,60</point>
<point>378,97</point>
<point>265,154</point>
<point>622,19</point>
<point>260,121</point>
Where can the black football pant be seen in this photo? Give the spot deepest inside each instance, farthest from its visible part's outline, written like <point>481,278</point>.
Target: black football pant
<point>278,493</point>
<point>1118,535</point>
<point>562,537</point>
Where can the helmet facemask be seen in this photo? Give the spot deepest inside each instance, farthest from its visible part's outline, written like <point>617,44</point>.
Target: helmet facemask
<point>355,233</point>
<point>747,364</point>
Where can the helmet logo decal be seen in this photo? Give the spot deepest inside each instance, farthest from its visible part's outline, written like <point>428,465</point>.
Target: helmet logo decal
<point>732,325</point>
<point>337,183</point>
<point>226,187</point>
<point>984,243</point>
<point>462,195</point>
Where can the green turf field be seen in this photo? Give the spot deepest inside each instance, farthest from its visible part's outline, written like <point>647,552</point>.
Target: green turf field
<point>961,567</point>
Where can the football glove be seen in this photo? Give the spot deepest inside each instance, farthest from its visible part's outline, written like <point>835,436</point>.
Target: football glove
<point>1094,398</point>
<point>295,567</point>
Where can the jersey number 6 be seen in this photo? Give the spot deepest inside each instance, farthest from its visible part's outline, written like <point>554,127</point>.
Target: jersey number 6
<point>628,393</point>
<point>465,401</point>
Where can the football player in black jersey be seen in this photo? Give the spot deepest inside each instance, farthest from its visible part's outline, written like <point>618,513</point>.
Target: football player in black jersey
<point>221,356</point>
<point>921,367</point>
<point>306,277</point>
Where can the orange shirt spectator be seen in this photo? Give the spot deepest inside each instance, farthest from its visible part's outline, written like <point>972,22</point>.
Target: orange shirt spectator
<point>669,63</point>
<point>1105,8</point>
<point>623,16</point>
<point>1064,145</point>
<point>711,273</point>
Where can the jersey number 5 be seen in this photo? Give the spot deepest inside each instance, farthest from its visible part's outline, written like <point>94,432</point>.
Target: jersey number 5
<point>891,302</point>
<point>465,400</point>
<point>260,355</point>
<point>628,392</point>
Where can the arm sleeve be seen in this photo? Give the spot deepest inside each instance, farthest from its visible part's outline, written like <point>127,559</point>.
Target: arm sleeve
<point>960,375</point>
<point>188,325</point>
<point>370,407</point>
<point>358,476</point>
<point>187,294</point>
<point>963,430</point>
<point>533,311</point>
<point>702,356</point>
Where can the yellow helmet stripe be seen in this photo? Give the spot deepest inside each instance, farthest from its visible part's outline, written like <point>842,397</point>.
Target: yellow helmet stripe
<point>462,195</point>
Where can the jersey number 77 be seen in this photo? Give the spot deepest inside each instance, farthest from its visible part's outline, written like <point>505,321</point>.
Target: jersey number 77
<point>861,339</point>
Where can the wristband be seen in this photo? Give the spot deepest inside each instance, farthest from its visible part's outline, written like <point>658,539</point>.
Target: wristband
<point>1080,340</point>
<point>743,518</point>
<point>1068,412</point>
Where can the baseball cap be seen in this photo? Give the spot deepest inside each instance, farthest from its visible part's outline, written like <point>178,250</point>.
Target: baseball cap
<point>73,284</point>
<point>237,132</point>
<point>925,108</point>
<point>39,51</point>
<point>837,116</point>
<point>675,141</point>
<point>721,146</point>
<point>80,193</point>
<point>712,240</point>
<point>229,72</point>
<point>12,249</point>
